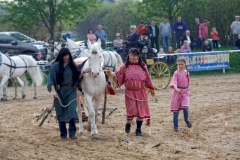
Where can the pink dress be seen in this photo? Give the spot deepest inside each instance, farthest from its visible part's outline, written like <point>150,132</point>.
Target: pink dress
<point>135,80</point>
<point>180,100</point>
<point>90,37</point>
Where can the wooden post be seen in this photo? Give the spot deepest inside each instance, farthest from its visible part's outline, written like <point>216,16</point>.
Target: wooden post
<point>104,106</point>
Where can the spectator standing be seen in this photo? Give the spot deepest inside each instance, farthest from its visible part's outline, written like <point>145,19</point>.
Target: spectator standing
<point>102,35</point>
<point>132,40</point>
<point>214,36</point>
<point>165,31</point>
<point>206,46</point>
<point>203,31</point>
<point>154,34</point>
<point>198,40</point>
<point>142,28</point>
<point>91,36</point>
<point>237,43</point>
<point>180,28</point>
<point>185,47</point>
<point>235,28</point>
<point>118,43</point>
<point>189,38</point>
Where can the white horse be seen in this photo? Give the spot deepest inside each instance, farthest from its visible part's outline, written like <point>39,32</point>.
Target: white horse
<point>17,66</point>
<point>93,86</point>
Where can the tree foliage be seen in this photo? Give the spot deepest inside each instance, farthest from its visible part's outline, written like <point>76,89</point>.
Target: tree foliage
<point>25,13</point>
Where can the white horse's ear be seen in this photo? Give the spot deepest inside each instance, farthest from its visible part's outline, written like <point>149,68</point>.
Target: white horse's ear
<point>99,43</point>
<point>89,44</point>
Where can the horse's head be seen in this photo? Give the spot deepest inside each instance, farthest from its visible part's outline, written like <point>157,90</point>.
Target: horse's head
<point>95,57</point>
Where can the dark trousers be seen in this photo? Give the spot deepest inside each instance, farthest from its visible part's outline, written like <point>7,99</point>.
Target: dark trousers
<point>235,37</point>
<point>103,44</point>
<point>198,43</point>
<point>178,39</point>
<point>215,43</point>
<point>203,41</point>
<point>154,40</point>
<point>71,129</point>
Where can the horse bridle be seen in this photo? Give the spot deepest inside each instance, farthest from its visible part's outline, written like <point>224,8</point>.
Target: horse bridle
<point>108,60</point>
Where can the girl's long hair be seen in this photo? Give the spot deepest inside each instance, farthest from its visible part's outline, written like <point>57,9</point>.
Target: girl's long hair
<point>135,51</point>
<point>59,59</point>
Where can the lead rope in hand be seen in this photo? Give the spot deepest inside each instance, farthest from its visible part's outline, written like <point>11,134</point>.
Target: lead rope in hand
<point>67,104</point>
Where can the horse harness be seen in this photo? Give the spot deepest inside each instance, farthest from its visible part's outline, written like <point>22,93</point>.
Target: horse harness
<point>13,66</point>
<point>111,63</point>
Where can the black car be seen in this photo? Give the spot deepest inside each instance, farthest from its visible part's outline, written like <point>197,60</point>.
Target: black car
<point>9,41</point>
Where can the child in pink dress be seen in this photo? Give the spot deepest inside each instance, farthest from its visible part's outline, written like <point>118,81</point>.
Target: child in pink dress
<point>134,75</point>
<point>180,96</point>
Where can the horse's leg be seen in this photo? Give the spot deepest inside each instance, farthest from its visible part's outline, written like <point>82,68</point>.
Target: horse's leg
<point>15,84</point>
<point>2,84</point>
<point>79,111</point>
<point>91,114</point>
<point>5,93</point>
<point>24,79</point>
<point>96,106</point>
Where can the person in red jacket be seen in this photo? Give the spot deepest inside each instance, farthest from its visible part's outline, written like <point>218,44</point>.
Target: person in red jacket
<point>142,28</point>
<point>214,36</point>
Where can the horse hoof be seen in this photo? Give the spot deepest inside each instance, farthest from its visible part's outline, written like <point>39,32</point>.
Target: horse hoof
<point>95,136</point>
<point>2,99</point>
<point>34,97</point>
<point>80,132</point>
<point>5,99</point>
<point>14,98</point>
<point>23,96</point>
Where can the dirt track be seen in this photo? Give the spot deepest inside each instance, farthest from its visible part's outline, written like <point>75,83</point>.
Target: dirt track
<point>214,112</point>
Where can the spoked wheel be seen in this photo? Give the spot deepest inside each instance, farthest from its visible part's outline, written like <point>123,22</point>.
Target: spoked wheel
<point>160,75</point>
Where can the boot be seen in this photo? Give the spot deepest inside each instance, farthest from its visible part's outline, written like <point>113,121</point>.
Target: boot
<point>139,132</point>
<point>127,127</point>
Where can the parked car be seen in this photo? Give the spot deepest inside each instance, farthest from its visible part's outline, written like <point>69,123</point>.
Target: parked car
<point>17,43</point>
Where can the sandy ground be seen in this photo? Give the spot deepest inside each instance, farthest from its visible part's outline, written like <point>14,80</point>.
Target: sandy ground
<point>214,112</point>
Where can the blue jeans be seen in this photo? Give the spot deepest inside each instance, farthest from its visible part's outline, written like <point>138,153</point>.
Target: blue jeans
<point>165,40</point>
<point>71,130</point>
<point>199,43</point>
<point>175,117</point>
<point>203,41</point>
<point>236,48</point>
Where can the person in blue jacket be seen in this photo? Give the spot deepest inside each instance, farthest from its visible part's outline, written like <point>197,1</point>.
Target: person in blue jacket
<point>179,28</point>
<point>132,40</point>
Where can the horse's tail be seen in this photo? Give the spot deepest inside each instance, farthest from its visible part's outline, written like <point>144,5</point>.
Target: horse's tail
<point>20,81</point>
<point>119,60</point>
<point>40,76</point>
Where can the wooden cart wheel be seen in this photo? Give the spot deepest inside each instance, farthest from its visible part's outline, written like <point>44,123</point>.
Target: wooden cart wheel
<point>160,75</point>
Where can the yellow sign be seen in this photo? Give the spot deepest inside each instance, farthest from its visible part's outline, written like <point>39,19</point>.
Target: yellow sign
<point>149,61</point>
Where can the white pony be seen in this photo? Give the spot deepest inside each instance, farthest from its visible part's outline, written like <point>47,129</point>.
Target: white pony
<point>93,85</point>
<point>17,66</point>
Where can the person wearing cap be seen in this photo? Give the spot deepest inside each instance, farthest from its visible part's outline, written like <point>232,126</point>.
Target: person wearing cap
<point>180,28</point>
<point>118,43</point>
<point>235,27</point>
<point>203,30</point>
<point>132,40</point>
<point>102,35</point>
<point>142,28</point>
<point>185,47</point>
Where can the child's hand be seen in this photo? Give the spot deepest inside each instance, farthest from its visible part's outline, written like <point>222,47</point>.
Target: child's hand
<point>178,90</point>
